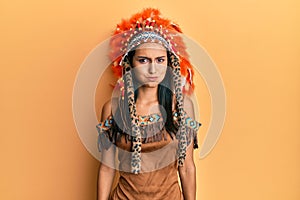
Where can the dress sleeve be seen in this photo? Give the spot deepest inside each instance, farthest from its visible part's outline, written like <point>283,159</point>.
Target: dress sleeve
<point>192,128</point>
<point>105,136</point>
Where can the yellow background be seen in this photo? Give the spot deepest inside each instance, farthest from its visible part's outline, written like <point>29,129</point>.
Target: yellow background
<point>255,45</point>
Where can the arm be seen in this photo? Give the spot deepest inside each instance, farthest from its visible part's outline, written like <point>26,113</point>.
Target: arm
<point>187,172</point>
<point>106,174</point>
<point>105,181</point>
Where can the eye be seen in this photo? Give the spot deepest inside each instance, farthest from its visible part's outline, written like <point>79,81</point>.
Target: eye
<point>143,60</point>
<point>160,60</point>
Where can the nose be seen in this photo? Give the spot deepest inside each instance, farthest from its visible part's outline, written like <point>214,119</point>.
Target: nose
<point>152,68</point>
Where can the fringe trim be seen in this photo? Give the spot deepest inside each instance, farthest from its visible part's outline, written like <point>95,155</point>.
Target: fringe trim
<point>153,132</point>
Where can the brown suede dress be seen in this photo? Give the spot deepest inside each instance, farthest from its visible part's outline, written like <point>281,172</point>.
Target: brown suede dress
<point>158,179</point>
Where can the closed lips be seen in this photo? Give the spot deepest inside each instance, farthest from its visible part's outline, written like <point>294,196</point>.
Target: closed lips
<point>152,78</point>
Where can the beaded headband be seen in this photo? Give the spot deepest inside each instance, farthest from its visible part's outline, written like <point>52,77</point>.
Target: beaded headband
<point>146,37</point>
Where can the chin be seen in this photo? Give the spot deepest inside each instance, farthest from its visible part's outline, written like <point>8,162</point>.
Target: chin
<point>151,84</point>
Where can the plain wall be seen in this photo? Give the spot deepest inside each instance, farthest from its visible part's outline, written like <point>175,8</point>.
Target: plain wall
<point>255,45</point>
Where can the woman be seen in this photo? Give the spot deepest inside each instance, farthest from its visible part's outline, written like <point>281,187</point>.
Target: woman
<point>148,127</point>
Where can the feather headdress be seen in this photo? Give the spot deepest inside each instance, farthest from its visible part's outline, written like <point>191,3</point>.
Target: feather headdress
<point>150,21</point>
<point>144,27</point>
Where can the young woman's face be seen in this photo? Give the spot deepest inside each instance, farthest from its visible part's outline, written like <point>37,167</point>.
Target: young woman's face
<point>150,64</point>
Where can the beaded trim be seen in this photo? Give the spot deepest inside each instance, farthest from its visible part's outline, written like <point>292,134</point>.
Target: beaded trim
<point>144,37</point>
<point>149,119</point>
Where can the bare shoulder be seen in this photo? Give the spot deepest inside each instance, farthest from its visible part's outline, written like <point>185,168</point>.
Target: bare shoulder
<point>188,106</point>
<point>106,110</point>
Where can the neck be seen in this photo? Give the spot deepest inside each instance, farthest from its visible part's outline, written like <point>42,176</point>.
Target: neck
<point>147,95</point>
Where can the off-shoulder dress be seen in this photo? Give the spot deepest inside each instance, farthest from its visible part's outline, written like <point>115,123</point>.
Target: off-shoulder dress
<point>158,179</point>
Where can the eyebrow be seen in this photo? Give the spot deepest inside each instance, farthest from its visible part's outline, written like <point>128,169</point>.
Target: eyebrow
<point>149,58</point>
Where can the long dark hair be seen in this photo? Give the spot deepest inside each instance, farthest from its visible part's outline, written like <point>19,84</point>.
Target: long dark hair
<point>122,118</point>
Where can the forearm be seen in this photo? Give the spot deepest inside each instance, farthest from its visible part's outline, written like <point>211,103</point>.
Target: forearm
<point>188,181</point>
<point>105,181</point>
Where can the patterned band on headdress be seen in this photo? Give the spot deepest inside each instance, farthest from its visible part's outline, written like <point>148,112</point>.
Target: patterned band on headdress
<point>182,137</point>
<point>135,131</point>
<point>145,37</point>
